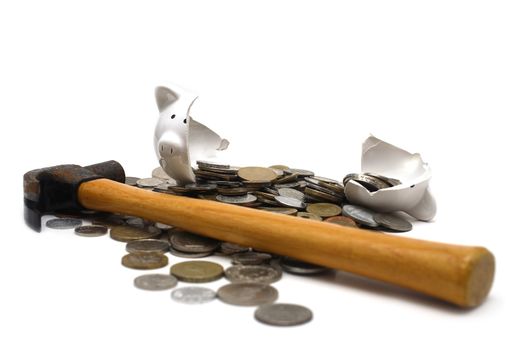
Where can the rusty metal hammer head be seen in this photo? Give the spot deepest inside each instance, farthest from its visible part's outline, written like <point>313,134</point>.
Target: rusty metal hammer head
<point>55,188</point>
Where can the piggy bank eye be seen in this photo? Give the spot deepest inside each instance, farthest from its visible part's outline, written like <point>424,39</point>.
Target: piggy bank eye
<point>184,121</point>
<point>173,116</point>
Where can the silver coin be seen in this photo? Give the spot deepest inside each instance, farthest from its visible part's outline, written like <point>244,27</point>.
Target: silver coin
<point>155,281</point>
<point>299,172</point>
<point>189,255</point>
<point>388,180</point>
<point>228,248</point>
<point>298,267</point>
<point>247,294</point>
<point>63,223</point>
<point>252,274</point>
<point>393,222</point>
<point>290,202</point>
<point>148,246</point>
<point>250,258</point>
<point>91,230</point>
<point>290,192</point>
<point>201,187</point>
<point>159,173</point>
<point>136,222</point>
<point>162,226</point>
<point>283,314</point>
<point>213,165</point>
<point>361,215</point>
<point>191,243</point>
<point>149,182</point>
<point>371,183</point>
<point>193,295</point>
<point>247,198</point>
<point>131,180</point>
<point>294,184</point>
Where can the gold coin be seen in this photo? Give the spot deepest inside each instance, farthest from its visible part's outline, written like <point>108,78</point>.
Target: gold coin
<point>255,173</point>
<point>197,271</point>
<point>128,233</point>
<point>324,210</point>
<point>310,216</point>
<point>342,221</point>
<point>144,261</point>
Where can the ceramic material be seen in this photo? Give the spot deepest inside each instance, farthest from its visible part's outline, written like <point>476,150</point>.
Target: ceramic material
<point>179,139</point>
<point>412,196</point>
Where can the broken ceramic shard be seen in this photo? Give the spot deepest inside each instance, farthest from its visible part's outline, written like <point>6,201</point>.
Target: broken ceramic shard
<point>412,196</point>
<point>179,139</point>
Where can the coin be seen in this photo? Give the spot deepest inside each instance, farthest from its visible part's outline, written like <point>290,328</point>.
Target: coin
<point>159,173</point>
<point>197,271</point>
<point>131,180</point>
<point>63,223</point>
<point>128,233</point>
<point>360,215</point>
<point>310,216</point>
<point>371,183</point>
<point>155,281</point>
<point>228,248</point>
<point>162,226</point>
<point>290,202</point>
<point>191,243</point>
<point>298,267</point>
<point>213,165</point>
<point>193,295</point>
<point>322,196</point>
<point>299,172</point>
<point>233,191</point>
<point>247,294</point>
<point>148,246</point>
<point>250,258</point>
<point>255,173</point>
<point>136,222</point>
<point>283,314</point>
<point>149,182</point>
<point>248,198</point>
<point>286,211</point>
<point>392,222</point>
<point>279,167</point>
<point>252,274</point>
<point>324,210</point>
<point>91,230</point>
<point>290,192</point>
<point>200,188</point>
<point>144,261</point>
<point>341,220</point>
<point>392,182</point>
<point>186,255</point>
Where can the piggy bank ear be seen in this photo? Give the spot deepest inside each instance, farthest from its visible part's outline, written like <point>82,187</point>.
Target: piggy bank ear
<point>165,97</point>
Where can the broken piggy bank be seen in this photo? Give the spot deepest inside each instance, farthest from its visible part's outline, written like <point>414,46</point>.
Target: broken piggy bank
<point>412,196</point>
<point>179,139</point>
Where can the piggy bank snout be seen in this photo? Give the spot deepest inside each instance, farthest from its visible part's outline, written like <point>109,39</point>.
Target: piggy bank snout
<point>166,149</point>
<point>170,146</point>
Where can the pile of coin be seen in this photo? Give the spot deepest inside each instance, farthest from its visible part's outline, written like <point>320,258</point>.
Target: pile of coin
<point>278,189</point>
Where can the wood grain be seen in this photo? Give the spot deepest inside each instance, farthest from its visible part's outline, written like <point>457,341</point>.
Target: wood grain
<point>461,275</point>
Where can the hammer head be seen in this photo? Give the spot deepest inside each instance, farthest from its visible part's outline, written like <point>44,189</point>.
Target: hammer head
<point>55,188</point>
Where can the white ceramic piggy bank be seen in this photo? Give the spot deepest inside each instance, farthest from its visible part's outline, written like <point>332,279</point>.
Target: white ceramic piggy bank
<point>179,140</point>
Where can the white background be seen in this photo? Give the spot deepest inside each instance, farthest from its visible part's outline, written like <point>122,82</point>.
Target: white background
<point>298,83</point>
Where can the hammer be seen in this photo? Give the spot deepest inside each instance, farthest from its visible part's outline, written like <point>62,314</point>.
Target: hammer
<point>460,275</point>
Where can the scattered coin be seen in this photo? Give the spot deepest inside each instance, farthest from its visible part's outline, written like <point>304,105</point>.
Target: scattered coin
<point>149,182</point>
<point>341,220</point>
<point>324,210</point>
<point>148,246</point>
<point>298,267</point>
<point>159,173</point>
<point>361,215</point>
<point>197,271</point>
<point>290,202</point>
<point>233,191</point>
<point>128,233</point>
<point>392,222</point>
<point>193,295</point>
<point>144,261</point>
<point>136,222</point>
<point>283,314</point>
<point>290,192</point>
<point>247,294</point>
<point>91,230</point>
<point>131,180</point>
<point>286,211</point>
<point>371,183</point>
<point>63,223</point>
<point>201,187</point>
<point>255,173</point>
<point>251,258</point>
<point>213,165</point>
<point>191,243</point>
<point>247,198</point>
<point>228,248</point>
<point>155,281</point>
<point>162,226</point>
<point>309,216</point>
<point>392,182</point>
<point>252,274</point>
<point>187,255</point>
<point>299,172</point>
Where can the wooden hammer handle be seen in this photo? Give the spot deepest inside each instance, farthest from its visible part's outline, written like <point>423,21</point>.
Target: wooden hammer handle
<point>458,274</point>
